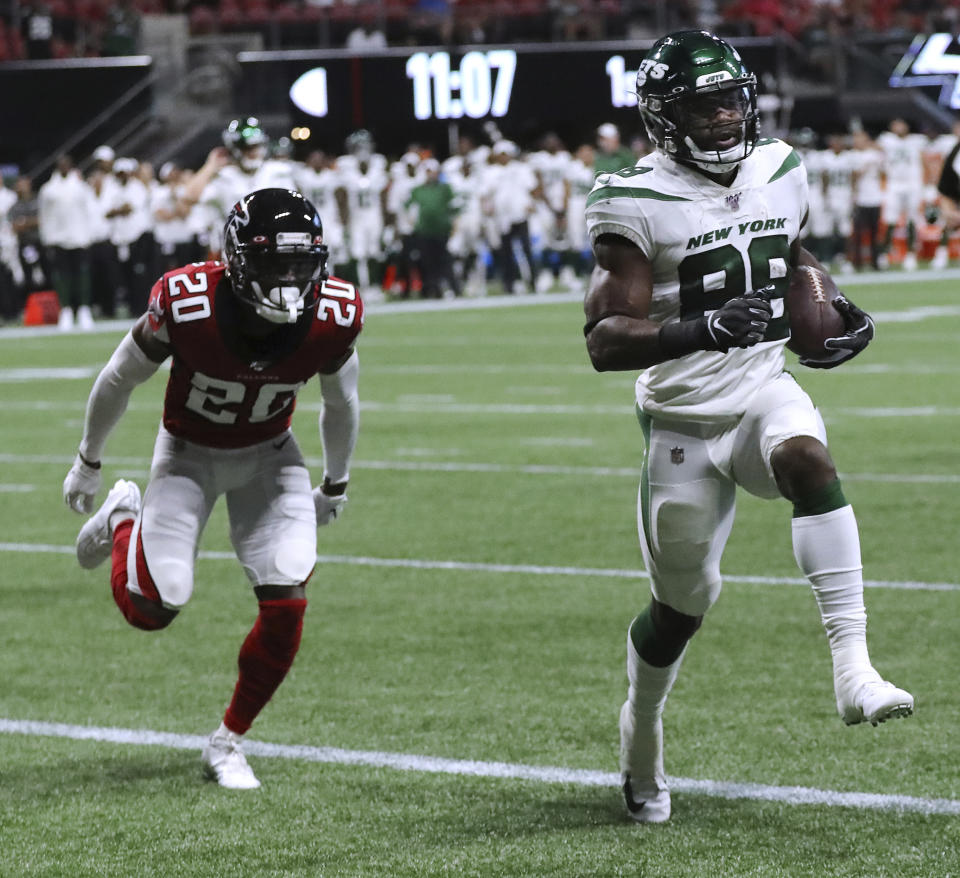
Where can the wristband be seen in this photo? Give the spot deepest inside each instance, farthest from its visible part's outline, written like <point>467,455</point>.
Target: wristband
<point>89,463</point>
<point>333,489</point>
<point>684,337</point>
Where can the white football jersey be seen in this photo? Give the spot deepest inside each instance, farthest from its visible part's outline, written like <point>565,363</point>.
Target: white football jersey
<point>868,179</point>
<point>903,159</point>
<point>552,168</point>
<point>707,244</point>
<point>364,185</point>
<point>839,170</point>
<point>320,189</point>
<point>814,160</point>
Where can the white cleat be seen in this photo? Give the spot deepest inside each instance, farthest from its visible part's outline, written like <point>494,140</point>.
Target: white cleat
<point>645,790</point>
<point>85,318</point>
<point>910,262</point>
<point>646,802</point>
<point>870,698</point>
<point>224,762</point>
<point>95,540</point>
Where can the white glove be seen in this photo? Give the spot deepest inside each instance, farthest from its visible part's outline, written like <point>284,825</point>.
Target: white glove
<point>81,486</point>
<point>329,507</point>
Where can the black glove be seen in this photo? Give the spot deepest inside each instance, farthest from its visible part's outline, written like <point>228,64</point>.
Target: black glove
<point>742,321</point>
<point>860,332</point>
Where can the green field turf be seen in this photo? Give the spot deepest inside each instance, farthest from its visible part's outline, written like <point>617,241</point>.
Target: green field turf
<point>472,605</point>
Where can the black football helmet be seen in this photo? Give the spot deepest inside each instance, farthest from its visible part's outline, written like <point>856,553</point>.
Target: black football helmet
<point>247,142</point>
<point>274,252</point>
<point>698,101</point>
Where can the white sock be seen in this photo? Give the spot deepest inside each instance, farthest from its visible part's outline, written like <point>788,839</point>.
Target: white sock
<point>827,549</point>
<point>646,697</point>
<point>223,731</point>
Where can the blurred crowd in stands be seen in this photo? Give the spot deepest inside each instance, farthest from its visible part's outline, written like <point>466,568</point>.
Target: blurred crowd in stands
<point>492,216</point>
<point>35,29</point>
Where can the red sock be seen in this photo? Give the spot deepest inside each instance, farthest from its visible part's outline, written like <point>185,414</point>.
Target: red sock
<point>265,658</point>
<point>118,581</point>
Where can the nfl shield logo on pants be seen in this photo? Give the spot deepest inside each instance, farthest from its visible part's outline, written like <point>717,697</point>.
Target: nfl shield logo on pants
<point>676,455</point>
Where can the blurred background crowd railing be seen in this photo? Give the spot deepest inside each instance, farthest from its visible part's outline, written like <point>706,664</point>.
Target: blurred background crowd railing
<point>45,29</point>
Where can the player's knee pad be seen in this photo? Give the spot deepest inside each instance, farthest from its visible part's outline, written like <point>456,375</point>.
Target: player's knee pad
<point>172,582</point>
<point>683,536</point>
<point>688,529</point>
<point>149,615</point>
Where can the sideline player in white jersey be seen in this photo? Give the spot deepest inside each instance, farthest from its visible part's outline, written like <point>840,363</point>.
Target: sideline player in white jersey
<point>365,182</point>
<point>903,192</point>
<point>839,164</point>
<point>867,163</point>
<point>322,185</point>
<point>695,247</point>
<point>231,171</point>
<point>816,233</point>
<point>551,164</point>
<point>580,179</point>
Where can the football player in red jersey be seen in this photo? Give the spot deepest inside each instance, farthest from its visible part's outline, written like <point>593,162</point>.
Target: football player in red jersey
<point>243,335</point>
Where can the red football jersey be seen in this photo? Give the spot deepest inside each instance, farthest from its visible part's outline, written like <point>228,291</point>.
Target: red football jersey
<point>225,389</point>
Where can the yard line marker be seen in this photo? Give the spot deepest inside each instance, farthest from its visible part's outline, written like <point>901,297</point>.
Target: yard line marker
<point>535,469</point>
<point>374,309</point>
<point>625,410</point>
<point>790,795</point>
<point>523,569</point>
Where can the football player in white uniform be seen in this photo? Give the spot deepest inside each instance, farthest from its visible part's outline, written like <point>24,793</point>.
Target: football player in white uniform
<point>320,182</point>
<point>695,247</point>
<point>903,194</point>
<point>231,171</point>
<point>365,182</point>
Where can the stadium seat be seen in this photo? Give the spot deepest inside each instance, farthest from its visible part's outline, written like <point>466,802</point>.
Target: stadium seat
<point>231,16</point>
<point>203,20</point>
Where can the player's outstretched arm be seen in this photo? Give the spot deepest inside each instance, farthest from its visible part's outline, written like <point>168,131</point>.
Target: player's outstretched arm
<point>339,425</point>
<point>136,358</point>
<point>620,336</point>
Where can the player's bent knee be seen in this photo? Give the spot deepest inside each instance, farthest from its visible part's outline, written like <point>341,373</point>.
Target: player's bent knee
<point>295,559</point>
<point>173,581</point>
<point>671,625</point>
<point>801,464</point>
<point>149,615</point>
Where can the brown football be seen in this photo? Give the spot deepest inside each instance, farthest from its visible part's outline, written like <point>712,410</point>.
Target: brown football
<point>813,319</point>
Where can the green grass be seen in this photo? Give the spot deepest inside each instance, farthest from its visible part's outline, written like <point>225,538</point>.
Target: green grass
<point>507,666</point>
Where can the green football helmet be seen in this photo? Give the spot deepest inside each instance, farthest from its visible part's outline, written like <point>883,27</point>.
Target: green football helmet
<point>698,101</point>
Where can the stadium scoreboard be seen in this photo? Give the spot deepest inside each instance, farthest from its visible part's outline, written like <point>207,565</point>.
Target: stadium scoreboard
<point>415,94</point>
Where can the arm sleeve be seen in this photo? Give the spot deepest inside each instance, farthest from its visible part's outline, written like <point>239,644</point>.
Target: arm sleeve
<point>340,419</point>
<point>128,367</point>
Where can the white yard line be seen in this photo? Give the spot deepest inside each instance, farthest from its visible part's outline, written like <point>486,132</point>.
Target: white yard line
<point>533,469</point>
<point>623,410</point>
<point>521,569</point>
<point>790,795</point>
